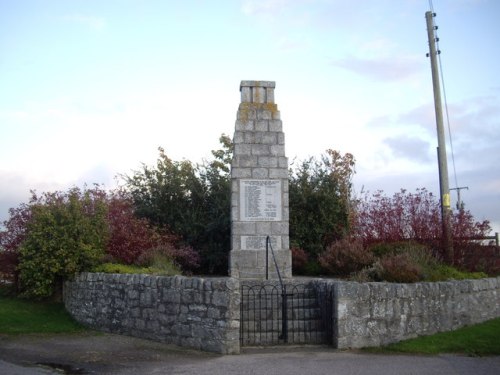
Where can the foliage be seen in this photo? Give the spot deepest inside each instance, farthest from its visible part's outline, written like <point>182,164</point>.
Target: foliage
<point>401,217</point>
<point>59,234</point>
<point>399,268</point>
<point>190,200</point>
<point>20,316</point>
<point>163,267</point>
<point>66,234</point>
<point>477,340</point>
<point>412,216</point>
<point>319,194</point>
<point>10,240</point>
<point>345,257</point>
<point>299,260</point>
<point>132,238</point>
<point>408,262</point>
<point>442,272</point>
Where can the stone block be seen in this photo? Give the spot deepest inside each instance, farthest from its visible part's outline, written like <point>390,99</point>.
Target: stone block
<point>239,137</point>
<point>243,228</point>
<point>260,149</point>
<point>246,94</point>
<point>242,149</point>
<point>267,161</point>
<point>249,137</point>
<point>263,227</point>
<point>277,150</point>
<point>266,138</point>
<point>275,125</point>
<point>259,95</point>
<point>264,115</point>
<point>260,173</point>
<point>243,125</point>
<point>241,172</point>
<point>262,125</point>
<point>234,199</point>
<point>246,113</point>
<point>270,95</point>
<point>279,228</point>
<point>278,173</point>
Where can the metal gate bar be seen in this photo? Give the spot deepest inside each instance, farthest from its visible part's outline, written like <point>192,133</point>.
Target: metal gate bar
<point>299,314</point>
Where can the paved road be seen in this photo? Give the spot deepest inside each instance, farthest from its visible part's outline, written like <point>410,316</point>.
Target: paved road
<point>114,354</point>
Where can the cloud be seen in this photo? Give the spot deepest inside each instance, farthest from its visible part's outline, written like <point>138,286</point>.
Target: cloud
<point>92,22</point>
<point>381,69</point>
<point>411,148</point>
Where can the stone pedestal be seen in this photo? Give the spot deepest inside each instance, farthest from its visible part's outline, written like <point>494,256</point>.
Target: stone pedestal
<point>259,174</point>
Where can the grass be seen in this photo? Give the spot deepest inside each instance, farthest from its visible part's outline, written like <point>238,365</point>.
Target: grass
<point>478,340</point>
<point>165,269</point>
<point>19,316</point>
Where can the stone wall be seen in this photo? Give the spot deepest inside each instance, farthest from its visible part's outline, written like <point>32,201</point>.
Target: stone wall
<point>372,314</point>
<point>192,312</point>
<point>204,314</point>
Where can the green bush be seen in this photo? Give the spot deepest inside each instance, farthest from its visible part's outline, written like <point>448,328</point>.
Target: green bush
<point>190,200</point>
<point>443,272</point>
<point>66,234</point>
<point>319,192</point>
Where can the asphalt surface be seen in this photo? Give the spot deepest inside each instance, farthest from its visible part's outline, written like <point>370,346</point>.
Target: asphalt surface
<point>93,353</point>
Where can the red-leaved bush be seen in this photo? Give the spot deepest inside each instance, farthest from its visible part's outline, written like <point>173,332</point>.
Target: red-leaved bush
<point>345,257</point>
<point>412,216</point>
<point>10,240</point>
<point>130,237</point>
<point>299,259</point>
<point>401,217</point>
<point>399,268</point>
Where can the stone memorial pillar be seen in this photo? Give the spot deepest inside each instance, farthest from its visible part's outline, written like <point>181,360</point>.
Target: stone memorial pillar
<point>259,177</point>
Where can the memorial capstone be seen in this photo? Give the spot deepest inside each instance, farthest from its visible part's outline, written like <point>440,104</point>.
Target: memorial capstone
<point>259,186</point>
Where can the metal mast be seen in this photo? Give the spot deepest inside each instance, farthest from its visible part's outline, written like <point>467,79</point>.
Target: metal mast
<point>442,161</point>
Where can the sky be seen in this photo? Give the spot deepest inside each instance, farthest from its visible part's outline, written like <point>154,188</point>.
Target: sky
<point>89,89</point>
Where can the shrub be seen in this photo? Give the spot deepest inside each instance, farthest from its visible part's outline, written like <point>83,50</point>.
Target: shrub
<point>183,256</point>
<point>399,268</point>
<point>345,257</point>
<point>412,216</point>
<point>319,192</point>
<point>132,238</point>
<point>299,260</point>
<point>10,240</point>
<point>160,268</point>
<point>192,201</point>
<point>66,234</point>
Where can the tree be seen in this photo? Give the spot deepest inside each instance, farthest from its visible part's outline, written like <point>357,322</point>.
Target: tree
<point>319,196</point>
<point>190,200</point>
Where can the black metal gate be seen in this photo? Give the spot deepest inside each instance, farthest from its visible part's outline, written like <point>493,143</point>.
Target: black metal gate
<point>292,314</point>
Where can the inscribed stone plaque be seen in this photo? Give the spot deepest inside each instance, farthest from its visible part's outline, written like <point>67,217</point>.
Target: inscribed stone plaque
<point>260,200</point>
<point>258,242</point>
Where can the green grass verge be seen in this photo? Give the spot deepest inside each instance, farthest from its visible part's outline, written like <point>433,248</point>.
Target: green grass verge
<point>19,316</point>
<point>478,340</point>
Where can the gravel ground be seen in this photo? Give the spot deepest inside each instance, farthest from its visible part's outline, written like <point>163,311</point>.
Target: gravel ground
<point>96,353</point>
